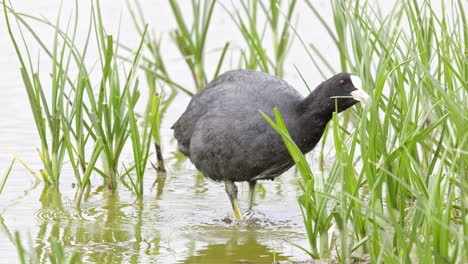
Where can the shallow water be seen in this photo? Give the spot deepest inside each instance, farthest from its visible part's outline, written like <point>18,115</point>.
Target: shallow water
<point>182,217</point>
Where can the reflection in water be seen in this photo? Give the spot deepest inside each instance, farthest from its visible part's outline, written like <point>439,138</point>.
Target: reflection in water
<point>178,159</point>
<point>240,248</point>
<point>5,229</point>
<point>187,223</point>
<point>51,211</point>
<point>105,232</point>
<point>159,183</point>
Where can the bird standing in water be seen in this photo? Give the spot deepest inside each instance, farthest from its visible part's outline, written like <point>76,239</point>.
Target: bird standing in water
<point>227,139</point>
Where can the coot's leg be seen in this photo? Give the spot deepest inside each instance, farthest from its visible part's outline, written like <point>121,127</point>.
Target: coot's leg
<point>251,193</point>
<point>231,190</point>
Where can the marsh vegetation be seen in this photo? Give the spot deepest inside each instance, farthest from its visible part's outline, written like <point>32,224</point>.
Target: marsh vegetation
<point>388,182</point>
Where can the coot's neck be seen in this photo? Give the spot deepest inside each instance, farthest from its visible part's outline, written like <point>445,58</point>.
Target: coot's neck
<point>313,114</point>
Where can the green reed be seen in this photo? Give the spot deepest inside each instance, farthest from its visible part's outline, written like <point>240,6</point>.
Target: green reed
<point>68,105</point>
<point>155,71</point>
<point>102,123</point>
<point>73,106</point>
<point>47,113</point>
<point>112,108</point>
<point>154,110</point>
<point>78,130</point>
<point>141,145</point>
<point>397,190</point>
<point>402,172</point>
<point>246,19</point>
<point>5,176</point>
<point>313,207</point>
<point>191,39</point>
<point>56,255</point>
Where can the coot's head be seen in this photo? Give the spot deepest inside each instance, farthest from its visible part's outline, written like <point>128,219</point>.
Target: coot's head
<point>344,89</point>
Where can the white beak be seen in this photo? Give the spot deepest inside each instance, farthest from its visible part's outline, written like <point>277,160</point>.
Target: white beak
<point>359,94</point>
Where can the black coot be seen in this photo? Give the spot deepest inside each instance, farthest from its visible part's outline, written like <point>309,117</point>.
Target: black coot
<point>227,139</point>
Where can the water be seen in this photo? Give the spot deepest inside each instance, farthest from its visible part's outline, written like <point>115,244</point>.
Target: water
<point>190,221</point>
<point>182,218</point>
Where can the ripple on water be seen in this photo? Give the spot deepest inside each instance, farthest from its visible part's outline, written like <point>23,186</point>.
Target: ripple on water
<point>192,221</point>
<point>52,214</point>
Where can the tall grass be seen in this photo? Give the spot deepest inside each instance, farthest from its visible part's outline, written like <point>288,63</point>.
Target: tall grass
<point>397,189</point>
<point>247,18</point>
<point>154,113</point>
<point>56,255</point>
<point>191,39</point>
<point>141,145</point>
<point>402,175</point>
<point>110,113</point>
<point>47,114</point>
<point>5,176</point>
<point>155,72</point>
<point>63,109</point>
<point>71,99</point>
<point>313,205</point>
<point>102,122</point>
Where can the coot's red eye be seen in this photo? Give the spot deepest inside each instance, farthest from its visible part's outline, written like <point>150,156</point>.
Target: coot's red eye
<point>342,82</point>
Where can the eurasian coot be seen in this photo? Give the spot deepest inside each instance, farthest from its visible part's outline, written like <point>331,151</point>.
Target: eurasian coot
<point>227,139</point>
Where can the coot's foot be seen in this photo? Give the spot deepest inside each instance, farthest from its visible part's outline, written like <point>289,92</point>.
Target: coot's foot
<point>231,190</point>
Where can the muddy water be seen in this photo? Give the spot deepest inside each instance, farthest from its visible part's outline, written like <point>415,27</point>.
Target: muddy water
<point>182,217</point>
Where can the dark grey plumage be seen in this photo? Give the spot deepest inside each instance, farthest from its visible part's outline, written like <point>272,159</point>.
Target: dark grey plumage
<point>227,139</point>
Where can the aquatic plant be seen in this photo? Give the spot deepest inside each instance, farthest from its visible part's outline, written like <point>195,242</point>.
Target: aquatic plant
<point>110,113</point>
<point>5,176</point>
<point>56,255</point>
<point>313,206</point>
<point>67,104</point>
<point>154,113</point>
<point>190,40</point>
<point>402,175</point>
<point>47,114</point>
<point>104,117</point>
<point>246,20</point>
<point>155,71</point>
<point>141,145</point>
<point>397,189</point>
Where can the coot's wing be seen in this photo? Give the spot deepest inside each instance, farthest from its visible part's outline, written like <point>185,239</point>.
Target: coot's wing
<point>237,145</point>
<point>248,90</point>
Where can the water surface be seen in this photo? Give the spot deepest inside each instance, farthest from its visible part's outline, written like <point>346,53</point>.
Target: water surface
<point>182,217</point>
